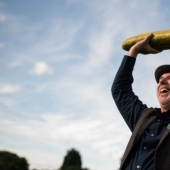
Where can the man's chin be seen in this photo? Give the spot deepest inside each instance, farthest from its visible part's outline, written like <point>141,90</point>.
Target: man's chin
<point>165,105</point>
<point>165,102</point>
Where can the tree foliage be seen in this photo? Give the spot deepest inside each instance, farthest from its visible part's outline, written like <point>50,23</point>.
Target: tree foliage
<point>72,161</point>
<point>10,161</point>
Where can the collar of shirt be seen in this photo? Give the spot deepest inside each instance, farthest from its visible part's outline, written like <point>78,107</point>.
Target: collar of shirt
<point>162,116</point>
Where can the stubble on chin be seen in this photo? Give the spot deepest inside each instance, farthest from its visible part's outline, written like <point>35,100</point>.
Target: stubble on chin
<point>165,104</point>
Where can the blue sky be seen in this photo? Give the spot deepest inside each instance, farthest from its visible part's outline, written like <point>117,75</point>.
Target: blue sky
<point>58,62</point>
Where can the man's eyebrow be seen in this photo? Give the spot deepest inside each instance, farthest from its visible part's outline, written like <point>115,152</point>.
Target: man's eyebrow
<point>165,76</point>
<point>161,78</point>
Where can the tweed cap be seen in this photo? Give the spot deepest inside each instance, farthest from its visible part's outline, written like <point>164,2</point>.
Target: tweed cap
<point>160,71</point>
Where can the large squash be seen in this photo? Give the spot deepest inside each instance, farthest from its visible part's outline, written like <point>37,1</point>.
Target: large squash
<point>160,40</point>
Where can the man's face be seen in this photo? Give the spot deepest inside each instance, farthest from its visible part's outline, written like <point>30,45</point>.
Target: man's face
<point>163,91</point>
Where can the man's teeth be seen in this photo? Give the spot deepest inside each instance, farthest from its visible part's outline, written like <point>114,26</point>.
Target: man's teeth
<point>164,90</point>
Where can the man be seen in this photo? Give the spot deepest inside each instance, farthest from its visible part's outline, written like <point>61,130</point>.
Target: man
<point>149,145</point>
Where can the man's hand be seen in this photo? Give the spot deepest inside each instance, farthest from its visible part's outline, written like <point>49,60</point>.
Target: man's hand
<point>142,47</point>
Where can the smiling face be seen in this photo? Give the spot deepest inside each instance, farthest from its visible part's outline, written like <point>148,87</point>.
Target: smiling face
<point>163,92</point>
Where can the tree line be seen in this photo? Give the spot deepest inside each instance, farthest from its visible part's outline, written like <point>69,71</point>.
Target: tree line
<point>11,161</point>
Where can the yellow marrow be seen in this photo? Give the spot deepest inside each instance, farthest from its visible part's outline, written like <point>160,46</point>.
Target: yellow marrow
<point>160,40</point>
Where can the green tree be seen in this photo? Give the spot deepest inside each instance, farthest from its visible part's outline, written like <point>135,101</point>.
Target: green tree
<point>11,161</point>
<point>72,161</point>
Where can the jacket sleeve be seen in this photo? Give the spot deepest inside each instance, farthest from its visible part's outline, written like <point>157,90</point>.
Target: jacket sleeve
<point>126,101</point>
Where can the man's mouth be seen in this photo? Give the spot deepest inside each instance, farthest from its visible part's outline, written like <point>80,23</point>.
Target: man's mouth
<point>164,90</point>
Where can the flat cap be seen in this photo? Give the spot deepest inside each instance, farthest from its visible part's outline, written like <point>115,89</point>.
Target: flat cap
<point>160,71</point>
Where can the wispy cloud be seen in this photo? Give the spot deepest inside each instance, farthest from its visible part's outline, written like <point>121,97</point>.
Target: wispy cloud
<point>2,18</point>
<point>8,88</point>
<point>96,134</point>
<point>7,102</point>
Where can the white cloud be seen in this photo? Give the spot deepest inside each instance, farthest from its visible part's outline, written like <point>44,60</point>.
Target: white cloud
<point>7,102</point>
<point>8,88</point>
<point>2,18</point>
<point>96,134</point>
<point>41,68</point>
<point>2,45</point>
